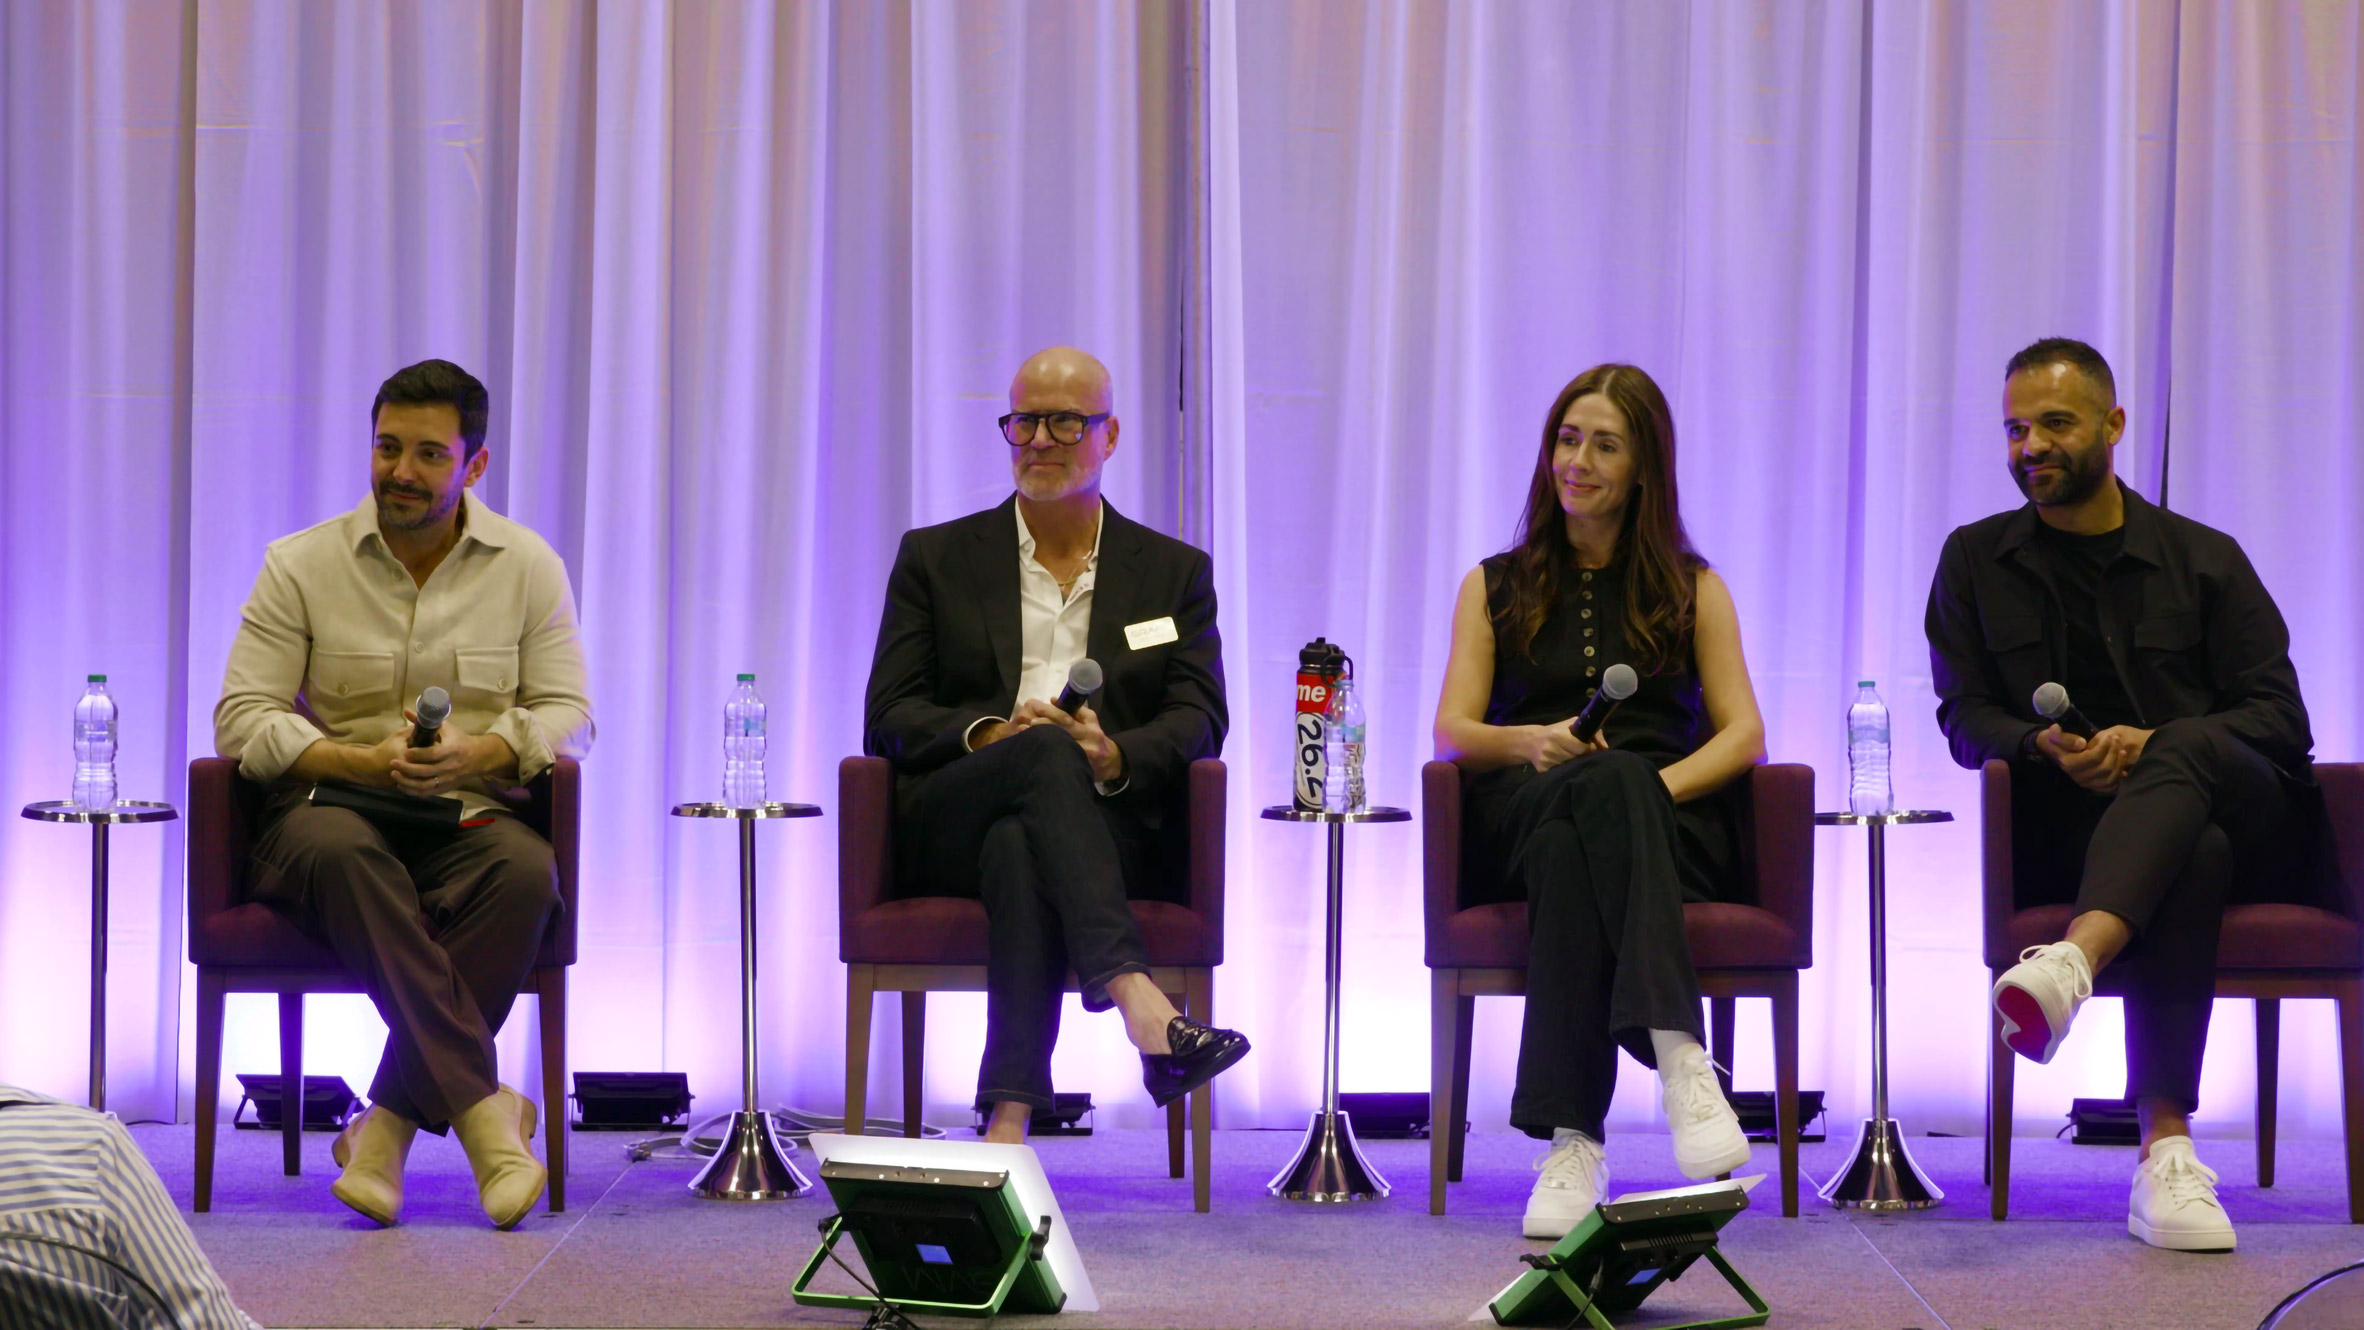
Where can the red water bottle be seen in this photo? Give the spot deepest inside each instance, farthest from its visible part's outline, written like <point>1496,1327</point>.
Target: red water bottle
<point>1318,667</point>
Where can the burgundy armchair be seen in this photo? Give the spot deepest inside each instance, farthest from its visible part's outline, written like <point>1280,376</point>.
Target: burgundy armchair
<point>243,946</point>
<point>2266,953</point>
<point>1752,950</point>
<point>923,944</point>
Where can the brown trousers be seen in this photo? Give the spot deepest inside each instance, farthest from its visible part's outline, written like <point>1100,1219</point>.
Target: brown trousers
<point>442,927</point>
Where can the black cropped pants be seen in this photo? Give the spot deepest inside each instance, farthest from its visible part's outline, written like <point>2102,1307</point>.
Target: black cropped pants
<point>1019,825</point>
<point>2160,854</point>
<point>1595,850</point>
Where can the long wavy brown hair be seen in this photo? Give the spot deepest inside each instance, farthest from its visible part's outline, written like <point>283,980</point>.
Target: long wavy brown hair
<point>1661,567</point>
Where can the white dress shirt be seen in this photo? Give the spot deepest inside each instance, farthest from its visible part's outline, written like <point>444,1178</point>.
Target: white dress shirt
<point>337,639</point>
<point>1052,629</point>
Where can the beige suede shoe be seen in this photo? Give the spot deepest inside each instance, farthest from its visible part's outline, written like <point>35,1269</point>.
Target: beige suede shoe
<point>494,1131</point>
<point>372,1151</point>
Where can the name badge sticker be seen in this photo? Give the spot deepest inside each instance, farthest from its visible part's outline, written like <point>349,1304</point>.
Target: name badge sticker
<point>1151,632</point>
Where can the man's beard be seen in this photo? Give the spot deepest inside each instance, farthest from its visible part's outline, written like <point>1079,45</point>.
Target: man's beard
<point>430,512</point>
<point>2080,479</point>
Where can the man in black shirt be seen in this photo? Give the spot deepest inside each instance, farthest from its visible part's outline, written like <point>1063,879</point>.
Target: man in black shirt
<point>2166,640</point>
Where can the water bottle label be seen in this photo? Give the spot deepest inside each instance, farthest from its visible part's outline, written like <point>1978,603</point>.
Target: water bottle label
<point>1313,732</point>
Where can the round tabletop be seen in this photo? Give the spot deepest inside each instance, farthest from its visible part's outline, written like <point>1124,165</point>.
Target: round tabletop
<point>1902,818</point>
<point>747,814</point>
<point>125,810</point>
<point>1374,813</point>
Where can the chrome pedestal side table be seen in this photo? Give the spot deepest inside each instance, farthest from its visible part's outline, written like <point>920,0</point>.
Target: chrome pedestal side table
<point>1329,1165</point>
<point>749,1163</point>
<point>1880,1173</point>
<point>124,810</point>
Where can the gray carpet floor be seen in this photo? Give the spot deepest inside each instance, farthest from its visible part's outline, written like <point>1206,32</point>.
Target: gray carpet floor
<point>634,1248</point>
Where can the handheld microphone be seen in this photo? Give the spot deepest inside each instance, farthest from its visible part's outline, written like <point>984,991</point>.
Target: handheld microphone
<point>1617,684</point>
<point>2052,703</point>
<point>1083,679</point>
<point>433,706</point>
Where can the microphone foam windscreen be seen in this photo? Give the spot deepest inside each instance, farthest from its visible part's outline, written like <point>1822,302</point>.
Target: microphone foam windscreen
<point>1619,682</point>
<point>434,706</point>
<point>1084,676</point>
<point>2051,701</point>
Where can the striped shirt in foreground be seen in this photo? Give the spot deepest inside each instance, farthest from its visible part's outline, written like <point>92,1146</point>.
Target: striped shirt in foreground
<point>87,1235</point>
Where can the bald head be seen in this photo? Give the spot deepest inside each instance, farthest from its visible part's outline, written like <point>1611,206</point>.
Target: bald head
<point>1062,378</point>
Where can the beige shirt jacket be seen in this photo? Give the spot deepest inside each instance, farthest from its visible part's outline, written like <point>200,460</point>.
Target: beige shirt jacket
<point>336,640</point>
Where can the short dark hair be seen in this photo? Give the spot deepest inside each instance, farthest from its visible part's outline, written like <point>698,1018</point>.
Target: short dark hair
<point>439,382</point>
<point>2066,351</point>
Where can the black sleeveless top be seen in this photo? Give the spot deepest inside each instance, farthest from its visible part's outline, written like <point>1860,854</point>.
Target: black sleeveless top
<point>1664,721</point>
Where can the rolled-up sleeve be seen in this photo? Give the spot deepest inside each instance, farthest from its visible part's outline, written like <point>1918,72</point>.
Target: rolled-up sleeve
<point>256,721</point>
<point>552,718</point>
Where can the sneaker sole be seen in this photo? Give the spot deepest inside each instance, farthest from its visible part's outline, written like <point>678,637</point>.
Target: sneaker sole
<point>1700,1170</point>
<point>2171,1240</point>
<point>1544,1232</point>
<point>2026,1030</point>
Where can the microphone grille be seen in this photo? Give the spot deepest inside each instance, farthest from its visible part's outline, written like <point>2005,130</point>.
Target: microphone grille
<point>1619,681</point>
<point>434,706</point>
<point>2051,701</point>
<point>1084,676</point>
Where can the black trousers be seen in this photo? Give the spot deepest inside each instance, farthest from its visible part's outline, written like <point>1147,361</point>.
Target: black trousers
<point>2159,854</point>
<point>372,895</point>
<point>1019,825</point>
<point>1595,851</point>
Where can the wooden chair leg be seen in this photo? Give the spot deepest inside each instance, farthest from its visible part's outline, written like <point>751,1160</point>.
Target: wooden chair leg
<point>1464,1029</point>
<point>1176,1110</point>
<point>1719,1037</point>
<point>861,981</point>
<point>1999,1070</point>
<point>2349,994</point>
<point>550,985</point>
<point>291,1082</point>
<point>1785,1085</point>
<point>1200,984</point>
<point>1443,1030</point>
<point>211,994</point>
<point>2269,1075</point>
<point>915,1043</point>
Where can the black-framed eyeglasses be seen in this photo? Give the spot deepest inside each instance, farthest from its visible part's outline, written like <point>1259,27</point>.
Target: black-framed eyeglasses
<point>1019,427</point>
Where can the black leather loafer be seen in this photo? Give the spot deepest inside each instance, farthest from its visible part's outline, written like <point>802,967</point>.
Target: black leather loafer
<point>1201,1053</point>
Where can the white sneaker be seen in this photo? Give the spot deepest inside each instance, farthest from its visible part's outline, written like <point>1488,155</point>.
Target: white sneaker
<point>1573,1178</point>
<point>2174,1203</point>
<point>2038,997</point>
<point>1707,1135</point>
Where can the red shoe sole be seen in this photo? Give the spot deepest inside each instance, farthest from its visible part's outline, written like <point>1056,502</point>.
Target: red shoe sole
<point>2033,1037</point>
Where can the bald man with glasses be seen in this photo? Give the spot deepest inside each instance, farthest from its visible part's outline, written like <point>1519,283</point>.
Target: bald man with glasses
<point>1053,819</point>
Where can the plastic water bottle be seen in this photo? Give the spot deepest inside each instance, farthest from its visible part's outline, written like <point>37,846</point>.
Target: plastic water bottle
<point>94,746</point>
<point>1868,790</point>
<point>1342,784</point>
<point>742,746</point>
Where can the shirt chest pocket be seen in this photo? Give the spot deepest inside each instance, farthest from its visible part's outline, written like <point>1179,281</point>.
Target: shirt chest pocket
<point>2007,634</point>
<point>486,677</point>
<point>2175,632</point>
<point>351,681</point>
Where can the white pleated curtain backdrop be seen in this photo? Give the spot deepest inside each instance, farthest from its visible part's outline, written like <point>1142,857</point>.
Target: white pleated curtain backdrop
<point>747,282</point>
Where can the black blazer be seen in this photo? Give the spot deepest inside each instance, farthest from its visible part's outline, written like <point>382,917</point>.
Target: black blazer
<point>949,655</point>
<point>2191,629</point>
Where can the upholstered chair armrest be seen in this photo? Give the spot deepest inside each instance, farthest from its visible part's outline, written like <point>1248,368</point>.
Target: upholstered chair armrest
<point>1210,797</point>
<point>865,826</point>
<point>1440,850</point>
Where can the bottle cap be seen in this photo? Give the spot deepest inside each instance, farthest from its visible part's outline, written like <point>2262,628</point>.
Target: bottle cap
<point>746,678</point>
<point>1863,683</point>
<point>98,678</point>
<point>1320,657</point>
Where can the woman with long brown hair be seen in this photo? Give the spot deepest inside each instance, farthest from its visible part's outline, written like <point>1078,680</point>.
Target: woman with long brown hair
<point>1603,839</point>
